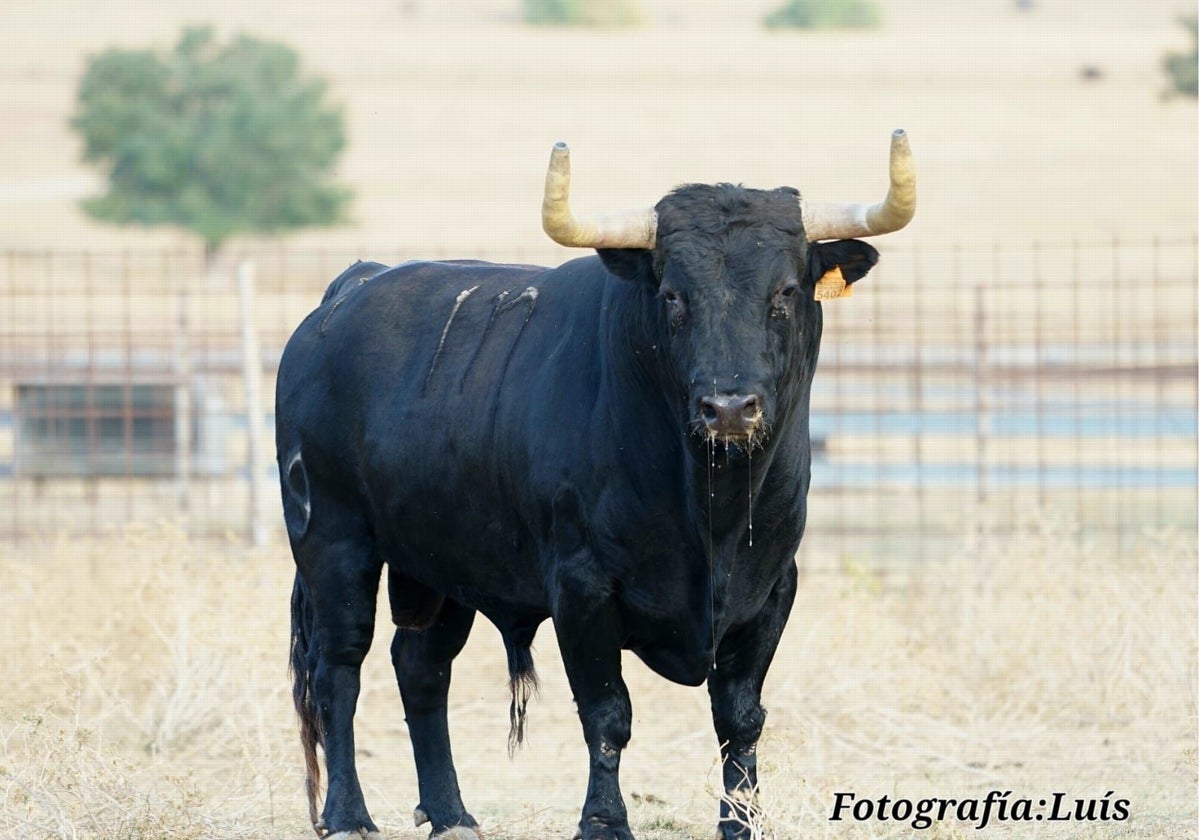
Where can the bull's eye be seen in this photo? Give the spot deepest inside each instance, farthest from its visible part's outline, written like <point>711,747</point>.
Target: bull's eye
<point>784,300</point>
<point>675,306</point>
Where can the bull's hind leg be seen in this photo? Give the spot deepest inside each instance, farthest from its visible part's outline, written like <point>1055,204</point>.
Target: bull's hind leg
<point>333,621</point>
<point>422,659</point>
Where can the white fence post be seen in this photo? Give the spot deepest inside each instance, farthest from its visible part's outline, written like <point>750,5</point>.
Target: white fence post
<point>252,378</point>
<point>183,407</point>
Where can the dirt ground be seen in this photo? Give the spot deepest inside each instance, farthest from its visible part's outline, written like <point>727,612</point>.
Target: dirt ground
<point>145,693</point>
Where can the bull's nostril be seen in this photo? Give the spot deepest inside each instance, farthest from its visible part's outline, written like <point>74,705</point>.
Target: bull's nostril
<point>750,409</point>
<point>708,411</point>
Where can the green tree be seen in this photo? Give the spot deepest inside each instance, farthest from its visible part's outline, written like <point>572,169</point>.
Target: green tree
<point>1181,66</point>
<point>824,14</point>
<point>599,13</point>
<point>219,139</point>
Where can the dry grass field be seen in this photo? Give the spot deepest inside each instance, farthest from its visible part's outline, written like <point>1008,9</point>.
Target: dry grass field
<point>145,694</point>
<point>146,697</point>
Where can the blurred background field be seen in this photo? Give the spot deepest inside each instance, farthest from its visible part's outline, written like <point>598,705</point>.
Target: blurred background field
<point>1000,567</point>
<point>451,115</point>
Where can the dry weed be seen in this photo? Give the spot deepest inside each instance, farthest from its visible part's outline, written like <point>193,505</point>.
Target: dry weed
<point>146,696</point>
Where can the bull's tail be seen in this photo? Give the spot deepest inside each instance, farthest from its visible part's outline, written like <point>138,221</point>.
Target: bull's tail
<point>523,684</point>
<point>303,660</point>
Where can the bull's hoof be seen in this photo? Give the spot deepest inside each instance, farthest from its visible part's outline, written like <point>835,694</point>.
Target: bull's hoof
<point>361,834</point>
<point>737,831</point>
<point>454,832</point>
<point>595,830</point>
<point>458,832</point>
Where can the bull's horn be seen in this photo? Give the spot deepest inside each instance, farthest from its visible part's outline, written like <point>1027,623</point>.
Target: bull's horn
<point>635,229</point>
<point>841,220</point>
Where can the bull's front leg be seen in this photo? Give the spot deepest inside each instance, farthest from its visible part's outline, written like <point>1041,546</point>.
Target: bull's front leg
<point>735,687</point>
<point>589,635</point>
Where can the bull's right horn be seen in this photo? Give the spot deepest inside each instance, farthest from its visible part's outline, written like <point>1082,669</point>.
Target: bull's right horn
<point>634,229</point>
<point>843,220</point>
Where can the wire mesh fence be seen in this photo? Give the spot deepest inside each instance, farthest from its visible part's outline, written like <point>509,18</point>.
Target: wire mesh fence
<point>963,390</point>
<point>989,389</point>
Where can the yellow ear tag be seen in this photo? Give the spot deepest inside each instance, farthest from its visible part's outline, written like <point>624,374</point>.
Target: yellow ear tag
<point>832,285</point>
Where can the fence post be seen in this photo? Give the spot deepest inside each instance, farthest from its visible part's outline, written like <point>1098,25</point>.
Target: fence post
<point>252,380</point>
<point>918,387</point>
<point>183,403</point>
<point>982,424</point>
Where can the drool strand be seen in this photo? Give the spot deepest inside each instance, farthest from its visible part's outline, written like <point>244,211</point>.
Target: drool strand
<point>750,492</point>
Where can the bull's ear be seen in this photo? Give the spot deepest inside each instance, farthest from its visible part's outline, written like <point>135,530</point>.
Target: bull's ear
<point>629,263</point>
<point>853,256</point>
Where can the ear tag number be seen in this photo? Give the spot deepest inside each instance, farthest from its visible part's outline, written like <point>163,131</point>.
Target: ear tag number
<point>832,285</point>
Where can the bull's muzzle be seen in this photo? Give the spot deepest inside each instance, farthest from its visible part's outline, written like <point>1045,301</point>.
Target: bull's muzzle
<point>731,416</point>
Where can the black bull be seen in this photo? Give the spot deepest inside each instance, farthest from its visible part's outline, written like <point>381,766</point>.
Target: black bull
<point>619,444</point>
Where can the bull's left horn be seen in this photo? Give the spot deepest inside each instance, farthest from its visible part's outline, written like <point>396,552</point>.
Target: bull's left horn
<point>840,220</point>
<point>635,229</point>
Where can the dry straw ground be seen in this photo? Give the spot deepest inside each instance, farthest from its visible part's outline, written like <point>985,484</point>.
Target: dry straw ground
<point>146,697</point>
<point>145,694</point>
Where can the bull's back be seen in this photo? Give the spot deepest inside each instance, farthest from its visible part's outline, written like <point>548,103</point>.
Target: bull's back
<point>410,394</point>
<point>402,345</point>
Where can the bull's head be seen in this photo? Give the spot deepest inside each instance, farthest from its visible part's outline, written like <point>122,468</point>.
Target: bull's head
<point>735,271</point>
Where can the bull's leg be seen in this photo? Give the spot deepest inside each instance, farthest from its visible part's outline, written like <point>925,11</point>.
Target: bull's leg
<point>342,577</point>
<point>589,635</point>
<point>422,661</point>
<point>735,687</point>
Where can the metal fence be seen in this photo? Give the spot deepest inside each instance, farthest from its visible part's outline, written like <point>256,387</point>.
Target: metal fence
<point>961,388</point>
